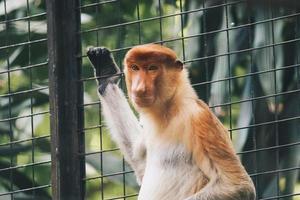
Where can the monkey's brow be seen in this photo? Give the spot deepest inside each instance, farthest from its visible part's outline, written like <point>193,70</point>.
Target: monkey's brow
<point>145,64</point>
<point>149,56</point>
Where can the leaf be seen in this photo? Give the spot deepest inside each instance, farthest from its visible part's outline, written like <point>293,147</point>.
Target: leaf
<point>200,46</point>
<point>39,27</point>
<point>12,57</point>
<point>86,18</point>
<point>289,133</point>
<point>12,5</point>
<point>271,57</point>
<point>245,117</point>
<point>113,164</point>
<point>14,150</point>
<point>234,40</point>
<point>21,181</point>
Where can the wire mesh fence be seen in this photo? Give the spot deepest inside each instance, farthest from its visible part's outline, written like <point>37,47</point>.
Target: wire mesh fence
<point>24,111</point>
<point>243,59</point>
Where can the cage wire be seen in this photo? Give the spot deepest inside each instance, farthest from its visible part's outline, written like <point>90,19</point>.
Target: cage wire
<point>243,59</point>
<point>24,112</point>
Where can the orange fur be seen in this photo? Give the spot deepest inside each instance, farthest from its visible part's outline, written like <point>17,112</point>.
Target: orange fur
<point>180,117</point>
<point>162,83</point>
<point>210,139</point>
<point>152,52</point>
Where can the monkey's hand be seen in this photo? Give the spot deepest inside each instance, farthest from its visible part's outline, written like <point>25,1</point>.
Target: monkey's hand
<point>105,68</point>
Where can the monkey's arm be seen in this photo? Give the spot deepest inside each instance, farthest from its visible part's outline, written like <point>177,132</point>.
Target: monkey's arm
<point>215,156</point>
<point>122,122</point>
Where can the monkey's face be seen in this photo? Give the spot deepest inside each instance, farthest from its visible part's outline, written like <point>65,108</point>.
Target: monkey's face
<point>143,80</point>
<point>149,73</point>
<point>150,83</point>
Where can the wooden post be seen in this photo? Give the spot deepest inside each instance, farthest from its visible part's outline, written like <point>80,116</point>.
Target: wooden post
<point>66,96</point>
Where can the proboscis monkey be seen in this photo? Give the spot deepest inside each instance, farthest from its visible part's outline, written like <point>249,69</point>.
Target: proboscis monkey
<point>178,149</point>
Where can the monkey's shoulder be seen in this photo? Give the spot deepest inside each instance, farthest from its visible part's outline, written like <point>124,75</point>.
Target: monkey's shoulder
<point>204,119</point>
<point>208,135</point>
<point>207,128</point>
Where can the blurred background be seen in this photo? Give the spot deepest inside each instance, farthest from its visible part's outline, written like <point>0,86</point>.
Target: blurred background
<point>243,57</point>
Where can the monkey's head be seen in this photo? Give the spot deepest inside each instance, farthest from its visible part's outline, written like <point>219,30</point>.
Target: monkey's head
<point>152,73</point>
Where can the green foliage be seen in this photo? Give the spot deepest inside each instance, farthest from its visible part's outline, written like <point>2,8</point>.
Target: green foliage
<point>122,24</point>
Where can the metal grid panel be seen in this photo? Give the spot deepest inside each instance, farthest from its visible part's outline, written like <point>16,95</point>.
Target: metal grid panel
<point>24,110</point>
<point>113,179</point>
<point>243,60</point>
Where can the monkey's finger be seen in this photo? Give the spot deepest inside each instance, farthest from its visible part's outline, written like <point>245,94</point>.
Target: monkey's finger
<point>102,61</point>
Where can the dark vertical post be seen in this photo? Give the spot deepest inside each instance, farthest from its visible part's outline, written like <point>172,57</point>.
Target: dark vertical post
<point>66,96</point>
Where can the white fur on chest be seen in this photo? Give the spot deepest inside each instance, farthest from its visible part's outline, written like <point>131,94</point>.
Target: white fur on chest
<point>169,172</point>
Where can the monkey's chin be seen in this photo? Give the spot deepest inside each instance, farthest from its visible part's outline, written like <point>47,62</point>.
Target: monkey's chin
<point>143,102</point>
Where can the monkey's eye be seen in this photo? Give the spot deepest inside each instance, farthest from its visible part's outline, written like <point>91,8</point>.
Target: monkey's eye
<point>134,67</point>
<point>152,68</point>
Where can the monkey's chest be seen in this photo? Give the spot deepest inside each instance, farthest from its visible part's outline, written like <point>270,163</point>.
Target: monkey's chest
<point>170,156</point>
<point>169,173</point>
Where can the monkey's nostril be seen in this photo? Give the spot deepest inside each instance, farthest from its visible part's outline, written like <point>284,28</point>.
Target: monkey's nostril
<point>141,92</point>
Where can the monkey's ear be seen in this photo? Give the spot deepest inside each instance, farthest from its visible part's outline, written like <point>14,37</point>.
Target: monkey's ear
<point>178,65</point>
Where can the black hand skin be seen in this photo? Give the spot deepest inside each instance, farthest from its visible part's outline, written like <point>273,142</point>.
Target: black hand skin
<point>104,66</point>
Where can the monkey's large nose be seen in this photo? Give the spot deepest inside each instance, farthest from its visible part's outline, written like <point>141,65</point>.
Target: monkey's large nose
<point>140,89</point>
<point>142,96</point>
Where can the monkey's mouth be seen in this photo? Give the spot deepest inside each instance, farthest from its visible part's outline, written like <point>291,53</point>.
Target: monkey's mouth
<point>144,101</point>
